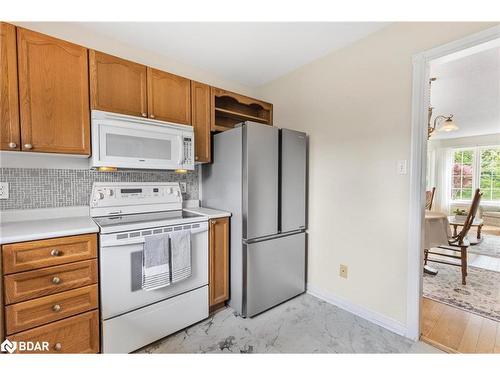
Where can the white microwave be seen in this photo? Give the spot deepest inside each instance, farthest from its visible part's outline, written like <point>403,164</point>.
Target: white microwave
<point>122,141</point>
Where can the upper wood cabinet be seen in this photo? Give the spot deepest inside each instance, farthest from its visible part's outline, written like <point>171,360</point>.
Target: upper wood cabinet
<point>53,93</point>
<point>200,118</point>
<point>229,109</point>
<point>169,97</point>
<point>10,136</point>
<point>219,261</point>
<point>117,85</point>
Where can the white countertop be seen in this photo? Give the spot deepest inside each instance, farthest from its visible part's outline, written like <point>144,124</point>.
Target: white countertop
<point>28,225</point>
<point>209,212</point>
<point>37,224</point>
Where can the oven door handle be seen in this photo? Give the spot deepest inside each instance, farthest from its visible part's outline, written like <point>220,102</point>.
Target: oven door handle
<point>136,241</point>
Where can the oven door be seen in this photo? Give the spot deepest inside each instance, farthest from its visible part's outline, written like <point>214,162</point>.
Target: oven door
<point>121,270</point>
<point>125,144</point>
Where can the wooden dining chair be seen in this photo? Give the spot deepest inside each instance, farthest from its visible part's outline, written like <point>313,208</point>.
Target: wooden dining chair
<point>429,198</point>
<point>458,243</point>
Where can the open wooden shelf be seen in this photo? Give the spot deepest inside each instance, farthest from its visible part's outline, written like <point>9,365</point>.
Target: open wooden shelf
<point>239,116</point>
<point>229,109</point>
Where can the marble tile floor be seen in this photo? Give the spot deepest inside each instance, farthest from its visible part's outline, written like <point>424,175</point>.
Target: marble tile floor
<point>304,324</point>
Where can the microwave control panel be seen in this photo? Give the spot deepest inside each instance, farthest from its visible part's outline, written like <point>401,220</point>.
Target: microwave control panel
<point>188,150</point>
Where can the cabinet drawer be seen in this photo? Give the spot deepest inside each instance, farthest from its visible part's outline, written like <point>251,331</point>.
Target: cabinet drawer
<point>78,334</point>
<point>25,256</point>
<point>29,314</point>
<point>33,284</point>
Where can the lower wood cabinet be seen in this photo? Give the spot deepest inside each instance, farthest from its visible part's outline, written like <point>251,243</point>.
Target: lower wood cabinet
<point>219,262</point>
<point>29,314</point>
<point>24,286</point>
<point>51,294</point>
<point>78,334</point>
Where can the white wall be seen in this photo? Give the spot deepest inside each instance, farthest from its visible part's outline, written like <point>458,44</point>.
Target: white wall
<point>356,106</point>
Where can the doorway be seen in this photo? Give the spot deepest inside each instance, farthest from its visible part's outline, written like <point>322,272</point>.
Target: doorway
<point>441,309</point>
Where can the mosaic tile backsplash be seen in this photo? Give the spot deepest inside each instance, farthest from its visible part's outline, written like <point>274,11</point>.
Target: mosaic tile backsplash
<point>46,188</point>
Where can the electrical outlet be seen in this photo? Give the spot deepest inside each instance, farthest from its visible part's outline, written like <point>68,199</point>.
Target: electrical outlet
<point>4,190</point>
<point>183,186</point>
<point>343,271</point>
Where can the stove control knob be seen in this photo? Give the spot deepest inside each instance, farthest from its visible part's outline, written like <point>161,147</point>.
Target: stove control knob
<point>110,192</point>
<point>170,191</point>
<point>100,195</point>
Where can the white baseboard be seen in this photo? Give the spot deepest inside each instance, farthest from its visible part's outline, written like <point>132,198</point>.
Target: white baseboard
<point>372,316</point>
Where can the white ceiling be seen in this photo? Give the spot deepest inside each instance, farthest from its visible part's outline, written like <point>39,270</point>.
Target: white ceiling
<point>250,53</point>
<point>469,88</point>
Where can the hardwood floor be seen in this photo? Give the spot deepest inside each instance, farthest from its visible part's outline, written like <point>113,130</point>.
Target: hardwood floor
<point>488,229</point>
<point>457,331</point>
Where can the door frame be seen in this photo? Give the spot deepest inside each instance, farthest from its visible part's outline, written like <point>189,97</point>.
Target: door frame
<point>418,165</point>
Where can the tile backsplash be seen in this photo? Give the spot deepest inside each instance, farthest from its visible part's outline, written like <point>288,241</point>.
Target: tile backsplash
<point>46,188</point>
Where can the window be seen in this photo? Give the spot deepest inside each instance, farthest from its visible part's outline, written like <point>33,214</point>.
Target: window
<point>473,168</point>
<point>462,175</point>
<point>490,174</point>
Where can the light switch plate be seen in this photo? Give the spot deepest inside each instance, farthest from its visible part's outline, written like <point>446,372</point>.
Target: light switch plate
<point>183,186</point>
<point>402,167</point>
<point>4,190</point>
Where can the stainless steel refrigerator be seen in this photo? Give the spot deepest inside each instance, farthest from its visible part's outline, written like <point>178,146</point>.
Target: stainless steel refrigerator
<point>259,174</point>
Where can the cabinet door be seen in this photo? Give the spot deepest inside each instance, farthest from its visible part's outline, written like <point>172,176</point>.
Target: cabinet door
<point>219,261</point>
<point>9,106</point>
<point>169,97</point>
<point>78,334</point>
<point>200,118</point>
<point>54,94</point>
<point>117,85</point>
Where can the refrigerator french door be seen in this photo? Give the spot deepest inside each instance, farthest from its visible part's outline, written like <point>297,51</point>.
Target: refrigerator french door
<point>259,175</point>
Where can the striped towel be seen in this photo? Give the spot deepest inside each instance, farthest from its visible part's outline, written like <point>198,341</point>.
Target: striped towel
<point>155,262</point>
<point>180,245</point>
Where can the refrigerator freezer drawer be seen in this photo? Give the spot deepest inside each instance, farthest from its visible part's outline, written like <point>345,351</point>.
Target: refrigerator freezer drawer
<point>131,331</point>
<point>275,272</point>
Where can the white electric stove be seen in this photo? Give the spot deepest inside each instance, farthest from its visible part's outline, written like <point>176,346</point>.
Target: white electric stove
<point>126,213</point>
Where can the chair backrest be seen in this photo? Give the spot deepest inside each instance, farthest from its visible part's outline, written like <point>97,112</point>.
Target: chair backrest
<point>429,198</point>
<point>470,216</point>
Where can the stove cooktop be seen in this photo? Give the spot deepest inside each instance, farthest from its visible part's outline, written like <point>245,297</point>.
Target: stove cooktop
<point>146,220</point>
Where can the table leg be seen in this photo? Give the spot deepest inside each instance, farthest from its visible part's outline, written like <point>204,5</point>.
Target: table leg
<point>455,230</point>
<point>479,227</point>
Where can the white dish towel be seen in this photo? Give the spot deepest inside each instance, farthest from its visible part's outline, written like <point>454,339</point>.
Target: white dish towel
<point>155,262</point>
<point>180,245</point>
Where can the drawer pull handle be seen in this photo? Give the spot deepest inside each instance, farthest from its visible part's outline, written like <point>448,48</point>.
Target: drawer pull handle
<point>56,280</point>
<point>56,308</point>
<point>55,252</point>
<point>58,346</point>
